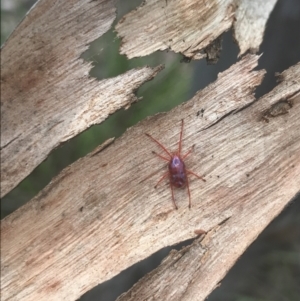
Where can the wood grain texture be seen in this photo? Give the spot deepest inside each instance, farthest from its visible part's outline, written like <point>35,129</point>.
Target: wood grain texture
<point>102,214</point>
<point>189,26</point>
<point>251,19</point>
<point>47,96</point>
<point>185,26</point>
<point>257,175</point>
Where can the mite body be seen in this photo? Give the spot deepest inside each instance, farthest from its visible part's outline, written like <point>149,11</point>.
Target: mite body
<point>177,172</point>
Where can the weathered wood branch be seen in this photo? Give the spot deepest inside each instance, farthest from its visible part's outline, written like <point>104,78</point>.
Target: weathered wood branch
<point>250,21</point>
<point>261,148</point>
<point>47,96</point>
<point>102,214</point>
<point>190,26</point>
<point>42,80</point>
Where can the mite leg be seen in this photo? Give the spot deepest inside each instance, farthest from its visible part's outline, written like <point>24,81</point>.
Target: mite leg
<point>162,157</point>
<point>192,173</point>
<point>163,177</point>
<point>148,135</point>
<point>192,148</point>
<point>173,199</point>
<point>180,138</point>
<point>189,193</point>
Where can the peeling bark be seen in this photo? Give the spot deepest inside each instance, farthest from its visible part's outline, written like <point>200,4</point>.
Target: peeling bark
<point>251,19</point>
<point>252,170</point>
<point>189,27</point>
<point>265,158</point>
<point>101,214</point>
<point>182,26</point>
<point>47,96</point>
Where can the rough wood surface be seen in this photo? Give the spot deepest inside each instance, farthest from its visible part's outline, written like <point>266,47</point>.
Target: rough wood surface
<point>189,26</point>
<point>257,175</point>
<point>47,96</point>
<point>251,19</point>
<point>182,26</point>
<point>102,214</point>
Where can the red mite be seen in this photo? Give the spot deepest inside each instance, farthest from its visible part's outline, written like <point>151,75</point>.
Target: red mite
<point>177,171</point>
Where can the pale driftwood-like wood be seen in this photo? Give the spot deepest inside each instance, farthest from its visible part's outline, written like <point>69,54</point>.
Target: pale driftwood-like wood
<point>47,96</point>
<point>257,175</point>
<point>251,19</point>
<point>182,26</point>
<point>102,214</point>
<point>189,26</point>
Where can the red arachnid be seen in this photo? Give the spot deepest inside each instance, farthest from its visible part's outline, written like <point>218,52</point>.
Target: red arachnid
<point>177,172</point>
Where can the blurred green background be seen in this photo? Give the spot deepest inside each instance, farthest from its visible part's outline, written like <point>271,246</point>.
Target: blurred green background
<point>270,269</point>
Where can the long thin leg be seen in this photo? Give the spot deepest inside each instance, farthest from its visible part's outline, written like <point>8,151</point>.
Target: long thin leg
<point>192,173</point>
<point>188,188</point>
<point>162,157</point>
<point>180,139</point>
<point>173,199</point>
<point>159,144</point>
<point>192,148</point>
<point>163,177</point>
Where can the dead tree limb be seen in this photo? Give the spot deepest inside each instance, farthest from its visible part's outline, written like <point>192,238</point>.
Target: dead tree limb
<point>101,214</point>
<point>47,96</point>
